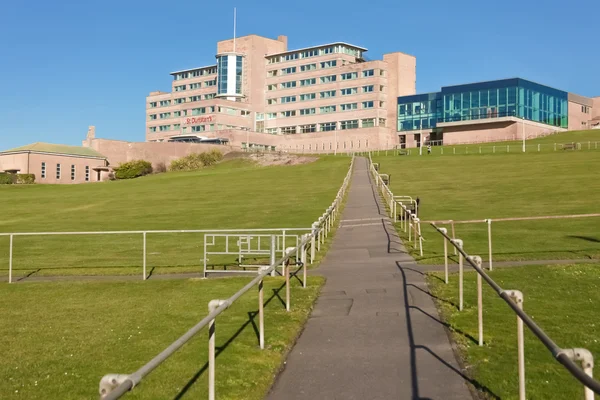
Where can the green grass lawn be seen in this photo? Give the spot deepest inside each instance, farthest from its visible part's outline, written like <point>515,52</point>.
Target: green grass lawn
<point>562,300</point>
<point>59,339</point>
<point>235,194</point>
<point>507,185</point>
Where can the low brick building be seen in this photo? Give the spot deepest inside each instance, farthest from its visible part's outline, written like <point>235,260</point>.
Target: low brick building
<point>55,163</point>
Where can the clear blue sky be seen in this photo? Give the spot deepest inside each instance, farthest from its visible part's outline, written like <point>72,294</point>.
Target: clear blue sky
<point>65,65</point>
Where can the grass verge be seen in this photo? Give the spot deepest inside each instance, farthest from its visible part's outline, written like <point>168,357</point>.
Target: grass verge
<point>59,339</point>
<point>562,300</point>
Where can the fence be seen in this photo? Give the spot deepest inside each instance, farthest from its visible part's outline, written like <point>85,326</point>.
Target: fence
<point>489,221</point>
<point>113,386</point>
<point>409,215</point>
<point>514,299</point>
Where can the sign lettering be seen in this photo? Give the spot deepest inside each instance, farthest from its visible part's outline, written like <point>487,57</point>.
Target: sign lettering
<point>198,120</point>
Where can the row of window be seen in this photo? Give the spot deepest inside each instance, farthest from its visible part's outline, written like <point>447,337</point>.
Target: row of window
<point>323,79</point>
<point>340,49</point>
<point>199,111</point>
<point>194,86</point>
<point>585,109</point>
<point>327,126</point>
<point>73,172</point>
<point>306,68</point>
<point>323,95</point>
<point>195,73</point>
<point>325,109</point>
<point>202,128</point>
<point>181,100</point>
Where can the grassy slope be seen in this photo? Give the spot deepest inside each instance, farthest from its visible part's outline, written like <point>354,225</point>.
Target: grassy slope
<point>234,194</point>
<point>563,302</point>
<point>59,339</point>
<point>505,185</point>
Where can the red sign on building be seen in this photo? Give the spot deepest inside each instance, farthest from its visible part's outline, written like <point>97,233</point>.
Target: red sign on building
<point>198,120</point>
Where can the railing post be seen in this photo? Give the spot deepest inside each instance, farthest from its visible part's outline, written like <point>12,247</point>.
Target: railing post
<point>261,315</point>
<point>459,243</point>
<point>286,268</point>
<point>10,258</point>
<point>445,232</point>
<point>303,260</point>
<point>312,244</point>
<point>489,222</point>
<point>454,236</point>
<point>517,297</point>
<point>477,260</point>
<point>587,364</point>
<point>212,306</point>
<point>144,256</point>
<point>273,252</point>
<point>409,226</point>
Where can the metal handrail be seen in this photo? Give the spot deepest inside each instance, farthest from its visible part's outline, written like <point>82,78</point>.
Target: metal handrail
<point>116,385</point>
<point>558,353</point>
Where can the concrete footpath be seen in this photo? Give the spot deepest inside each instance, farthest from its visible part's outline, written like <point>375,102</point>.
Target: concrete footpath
<point>375,332</point>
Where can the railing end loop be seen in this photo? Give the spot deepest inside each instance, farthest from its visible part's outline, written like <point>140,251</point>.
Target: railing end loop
<point>109,382</point>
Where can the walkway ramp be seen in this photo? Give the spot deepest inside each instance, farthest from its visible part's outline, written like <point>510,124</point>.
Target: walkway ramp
<point>375,332</point>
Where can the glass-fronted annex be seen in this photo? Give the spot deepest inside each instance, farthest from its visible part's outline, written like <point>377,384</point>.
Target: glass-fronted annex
<point>503,98</point>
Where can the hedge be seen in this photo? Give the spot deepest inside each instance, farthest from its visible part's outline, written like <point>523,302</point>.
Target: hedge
<point>25,179</point>
<point>196,161</point>
<point>133,169</point>
<point>7,179</point>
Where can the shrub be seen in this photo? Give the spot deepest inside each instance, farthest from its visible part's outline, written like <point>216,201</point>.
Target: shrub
<point>25,179</point>
<point>133,169</point>
<point>196,161</point>
<point>7,179</point>
<point>159,168</point>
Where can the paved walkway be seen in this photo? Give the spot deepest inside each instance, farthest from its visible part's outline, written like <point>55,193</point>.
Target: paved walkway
<point>375,332</point>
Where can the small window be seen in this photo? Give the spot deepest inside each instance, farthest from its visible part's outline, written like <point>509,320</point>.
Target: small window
<point>369,72</point>
<point>57,171</point>
<point>87,173</point>
<point>43,170</point>
<point>72,172</point>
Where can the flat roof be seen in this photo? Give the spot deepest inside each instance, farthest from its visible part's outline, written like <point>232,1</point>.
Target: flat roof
<point>193,69</point>
<point>318,47</point>
<point>40,147</point>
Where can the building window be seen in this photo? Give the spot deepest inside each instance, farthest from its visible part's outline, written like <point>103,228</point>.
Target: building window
<point>308,67</point>
<point>180,101</point>
<point>369,72</point>
<point>349,75</point>
<point>152,129</point>
<point>308,82</point>
<point>289,113</point>
<point>382,104</point>
<point>198,111</point>
<point>328,79</point>
<point>195,86</point>
<point>328,126</point>
<point>272,131</point>
<point>271,115</point>
<point>271,87</point>
<point>165,103</point>
<point>57,171</point>
<point>327,94</point>
<point>152,117</point>
<point>307,111</point>
<point>43,170</point>
<point>329,64</point>
<point>308,128</point>
<point>212,82</point>
<point>308,96</point>
<point>72,172</point>
<point>210,96</point>
<point>381,121</point>
<point>179,113</point>
<point>367,104</point>
<point>349,106</point>
<point>349,91</point>
<point>288,99</point>
<point>368,122</point>
<point>165,115</point>
<point>289,70</point>
<point>327,109</point>
<point>352,124</point>
<point>272,73</point>
<point>368,88</point>
<point>153,104</point>
<point>288,85</point>
<point>290,57</point>
<point>288,130</point>
<point>198,128</point>
<point>87,173</point>
<point>163,128</point>
<point>179,88</point>
<point>381,72</point>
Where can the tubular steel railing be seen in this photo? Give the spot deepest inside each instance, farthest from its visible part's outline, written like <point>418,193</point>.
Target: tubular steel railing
<point>514,299</point>
<point>113,386</point>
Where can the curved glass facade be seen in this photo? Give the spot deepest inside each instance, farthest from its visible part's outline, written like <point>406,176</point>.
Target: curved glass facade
<point>229,75</point>
<point>504,98</point>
